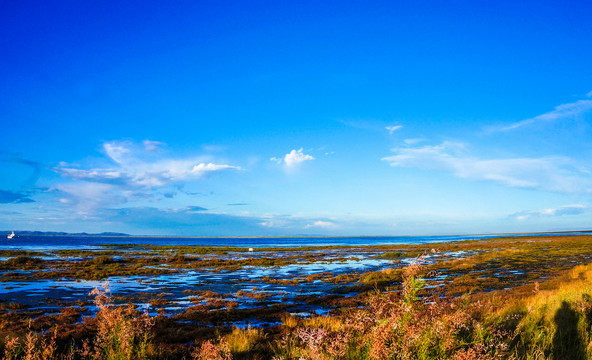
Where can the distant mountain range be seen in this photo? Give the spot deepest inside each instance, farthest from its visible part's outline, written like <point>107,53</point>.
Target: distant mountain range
<point>58,233</point>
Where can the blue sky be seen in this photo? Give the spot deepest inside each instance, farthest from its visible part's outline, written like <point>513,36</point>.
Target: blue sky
<point>296,118</point>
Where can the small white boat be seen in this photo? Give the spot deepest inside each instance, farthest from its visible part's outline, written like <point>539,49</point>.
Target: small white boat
<point>10,236</point>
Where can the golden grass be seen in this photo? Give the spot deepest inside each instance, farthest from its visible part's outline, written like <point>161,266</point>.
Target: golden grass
<point>554,323</point>
<point>242,341</point>
<point>330,323</point>
<point>290,321</point>
<point>382,276</point>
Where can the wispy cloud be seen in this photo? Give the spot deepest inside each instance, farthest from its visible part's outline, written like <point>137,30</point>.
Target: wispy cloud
<point>293,158</point>
<point>413,141</point>
<point>547,173</point>
<point>392,128</point>
<point>135,168</point>
<point>89,196</point>
<point>561,112</point>
<point>551,212</point>
<point>137,172</point>
<point>150,145</point>
<point>322,225</point>
<point>372,125</point>
<point>289,224</point>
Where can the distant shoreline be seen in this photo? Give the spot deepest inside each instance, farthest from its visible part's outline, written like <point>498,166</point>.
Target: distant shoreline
<point>107,234</point>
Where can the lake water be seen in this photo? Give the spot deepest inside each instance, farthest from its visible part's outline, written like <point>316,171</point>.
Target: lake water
<point>37,242</point>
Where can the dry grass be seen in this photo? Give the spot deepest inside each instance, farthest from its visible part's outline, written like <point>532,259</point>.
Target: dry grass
<point>121,334</point>
<point>242,341</point>
<point>329,323</point>
<point>555,323</point>
<point>382,277</point>
<point>211,351</point>
<point>290,321</point>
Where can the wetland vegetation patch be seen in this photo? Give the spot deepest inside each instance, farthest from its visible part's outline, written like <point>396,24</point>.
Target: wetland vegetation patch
<point>292,294</point>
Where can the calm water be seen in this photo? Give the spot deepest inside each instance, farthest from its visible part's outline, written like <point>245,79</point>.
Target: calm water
<point>26,242</point>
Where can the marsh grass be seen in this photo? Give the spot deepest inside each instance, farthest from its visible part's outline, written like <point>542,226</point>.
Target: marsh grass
<point>210,351</point>
<point>330,323</point>
<point>391,255</point>
<point>382,277</point>
<point>241,341</point>
<point>554,323</point>
<point>289,321</point>
<point>504,299</point>
<point>121,333</point>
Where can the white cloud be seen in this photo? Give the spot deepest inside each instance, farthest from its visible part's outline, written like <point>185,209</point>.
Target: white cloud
<point>118,151</point>
<point>391,129</point>
<point>293,158</point>
<point>137,168</point>
<point>563,111</point>
<point>321,224</point>
<point>298,223</point>
<point>271,224</point>
<point>150,145</point>
<point>214,148</point>
<point>560,211</point>
<point>96,175</point>
<point>547,173</point>
<point>276,160</point>
<point>413,141</point>
<point>87,196</point>
<point>203,168</point>
<point>139,173</point>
